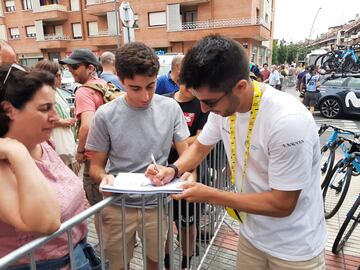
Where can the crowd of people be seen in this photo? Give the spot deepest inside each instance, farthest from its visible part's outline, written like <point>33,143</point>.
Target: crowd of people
<point>211,94</point>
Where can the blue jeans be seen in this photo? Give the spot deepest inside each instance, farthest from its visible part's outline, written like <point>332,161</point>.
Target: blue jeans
<point>81,262</point>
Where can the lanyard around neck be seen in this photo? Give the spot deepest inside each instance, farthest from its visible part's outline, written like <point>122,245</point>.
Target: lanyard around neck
<point>254,110</point>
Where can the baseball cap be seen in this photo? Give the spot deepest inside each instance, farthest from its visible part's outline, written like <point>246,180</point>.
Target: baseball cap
<point>79,56</point>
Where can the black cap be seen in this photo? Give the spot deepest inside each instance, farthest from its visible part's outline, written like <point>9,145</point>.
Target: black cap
<point>79,56</point>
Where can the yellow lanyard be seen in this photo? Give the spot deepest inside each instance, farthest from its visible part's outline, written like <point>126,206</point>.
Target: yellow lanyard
<point>254,110</point>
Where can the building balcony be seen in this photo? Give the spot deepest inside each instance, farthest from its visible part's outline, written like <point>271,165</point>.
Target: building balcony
<point>100,7</point>
<point>255,28</point>
<point>103,39</point>
<point>187,2</point>
<point>54,42</point>
<point>51,13</point>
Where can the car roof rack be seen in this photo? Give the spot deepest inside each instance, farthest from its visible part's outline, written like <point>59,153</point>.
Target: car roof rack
<point>341,75</point>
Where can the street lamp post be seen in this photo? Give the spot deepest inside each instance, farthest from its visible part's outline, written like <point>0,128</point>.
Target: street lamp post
<point>117,24</point>
<point>312,26</point>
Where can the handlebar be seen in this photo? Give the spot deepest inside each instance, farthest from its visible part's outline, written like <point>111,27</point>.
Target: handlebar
<point>324,127</point>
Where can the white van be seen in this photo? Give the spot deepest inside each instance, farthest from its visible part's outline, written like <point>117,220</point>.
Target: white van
<point>165,62</point>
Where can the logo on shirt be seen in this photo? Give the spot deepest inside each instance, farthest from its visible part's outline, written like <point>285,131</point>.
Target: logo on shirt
<point>189,118</point>
<point>286,145</point>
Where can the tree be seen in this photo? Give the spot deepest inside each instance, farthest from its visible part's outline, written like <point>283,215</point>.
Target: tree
<point>275,52</point>
<point>282,55</point>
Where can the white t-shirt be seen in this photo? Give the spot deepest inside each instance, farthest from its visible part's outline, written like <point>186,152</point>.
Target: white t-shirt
<point>284,155</point>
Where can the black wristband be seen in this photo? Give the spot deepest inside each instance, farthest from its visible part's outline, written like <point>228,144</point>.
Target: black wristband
<point>176,169</point>
<point>81,152</point>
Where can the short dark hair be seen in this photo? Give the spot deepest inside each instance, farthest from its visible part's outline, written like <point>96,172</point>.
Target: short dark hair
<point>265,64</point>
<point>136,58</point>
<point>19,88</point>
<point>216,62</point>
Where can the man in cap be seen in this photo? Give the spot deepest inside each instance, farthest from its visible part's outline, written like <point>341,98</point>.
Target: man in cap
<point>82,64</point>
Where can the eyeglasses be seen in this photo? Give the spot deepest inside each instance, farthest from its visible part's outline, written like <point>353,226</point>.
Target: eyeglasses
<point>210,103</point>
<point>16,66</point>
<point>74,66</point>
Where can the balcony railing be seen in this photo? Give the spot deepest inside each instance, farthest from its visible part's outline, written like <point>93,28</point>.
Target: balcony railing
<point>219,24</point>
<point>102,34</point>
<point>53,7</point>
<point>56,37</point>
<point>95,2</point>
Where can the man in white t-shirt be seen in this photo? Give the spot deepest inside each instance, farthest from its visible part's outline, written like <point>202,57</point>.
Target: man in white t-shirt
<point>285,226</point>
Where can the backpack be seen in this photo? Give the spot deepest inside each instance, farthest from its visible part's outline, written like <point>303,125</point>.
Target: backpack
<point>109,91</point>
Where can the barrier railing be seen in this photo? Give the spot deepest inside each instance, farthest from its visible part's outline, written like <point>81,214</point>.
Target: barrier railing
<point>207,220</point>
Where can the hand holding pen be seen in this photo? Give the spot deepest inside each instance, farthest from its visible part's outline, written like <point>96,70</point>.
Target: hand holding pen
<point>158,175</point>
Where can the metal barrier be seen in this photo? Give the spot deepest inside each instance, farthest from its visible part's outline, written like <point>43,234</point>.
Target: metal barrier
<point>212,172</point>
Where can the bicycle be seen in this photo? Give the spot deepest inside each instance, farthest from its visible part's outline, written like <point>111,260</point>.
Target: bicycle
<point>338,181</point>
<point>342,60</point>
<point>343,235</point>
<point>328,150</point>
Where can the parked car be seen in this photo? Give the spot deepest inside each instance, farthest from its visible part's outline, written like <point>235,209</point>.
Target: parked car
<point>69,96</point>
<point>67,79</point>
<point>339,95</point>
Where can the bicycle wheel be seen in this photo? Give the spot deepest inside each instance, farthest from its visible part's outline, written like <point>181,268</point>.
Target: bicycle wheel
<point>347,227</point>
<point>336,187</point>
<point>319,60</point>
<point>327,163</point>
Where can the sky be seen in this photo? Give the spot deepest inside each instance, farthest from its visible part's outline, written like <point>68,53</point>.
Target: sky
<point>293,19</point>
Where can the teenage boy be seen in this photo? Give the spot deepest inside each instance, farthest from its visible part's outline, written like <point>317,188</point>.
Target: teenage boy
<point>124,134</point>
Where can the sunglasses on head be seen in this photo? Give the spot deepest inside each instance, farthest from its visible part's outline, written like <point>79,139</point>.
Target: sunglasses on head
<point>13,66</point>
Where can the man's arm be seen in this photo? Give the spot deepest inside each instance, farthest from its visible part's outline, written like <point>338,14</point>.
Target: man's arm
<point>273,203</point>
<point>86,119</point>
<point>192,139</point>
<point>187,161</point>
<point>97,166</point>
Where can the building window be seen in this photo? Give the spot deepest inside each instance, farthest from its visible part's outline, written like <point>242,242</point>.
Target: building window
<point>93,29</point>
<point>26,4</point>
<point>190,16</point>
<point>14,33</point>
<point>266,17</point>
<point>30,31</point>
<point>10,5</point>
<point>136,21</point>
<point>77,33</point>
<point>157,18</point>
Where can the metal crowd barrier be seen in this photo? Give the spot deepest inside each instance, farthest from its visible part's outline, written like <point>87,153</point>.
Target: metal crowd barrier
<point>213,172</point>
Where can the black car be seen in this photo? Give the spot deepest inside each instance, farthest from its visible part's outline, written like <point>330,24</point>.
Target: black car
<point>339,95</point>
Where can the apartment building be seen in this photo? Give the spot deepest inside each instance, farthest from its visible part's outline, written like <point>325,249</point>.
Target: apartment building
<point>51,29</point>
<point>344,35</point>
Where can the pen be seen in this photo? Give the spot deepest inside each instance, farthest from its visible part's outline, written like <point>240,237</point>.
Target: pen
<point>154,162</point>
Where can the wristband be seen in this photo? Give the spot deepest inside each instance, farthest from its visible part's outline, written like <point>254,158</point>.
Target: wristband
<point>81,152</point>
<point>176,169</point>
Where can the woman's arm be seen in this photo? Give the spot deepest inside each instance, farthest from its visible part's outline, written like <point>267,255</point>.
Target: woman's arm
<point>27,201</point>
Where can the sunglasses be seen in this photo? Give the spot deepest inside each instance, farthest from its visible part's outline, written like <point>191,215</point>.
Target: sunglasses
<point>74,66</point>
<point>13,66</point>
<point>212,103</point>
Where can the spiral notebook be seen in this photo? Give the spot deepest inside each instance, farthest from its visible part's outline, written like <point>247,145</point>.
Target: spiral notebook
<point>138,183</point>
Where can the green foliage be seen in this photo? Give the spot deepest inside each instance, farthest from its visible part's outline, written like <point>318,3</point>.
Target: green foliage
<point>275,52</point>
<point>284,52</point>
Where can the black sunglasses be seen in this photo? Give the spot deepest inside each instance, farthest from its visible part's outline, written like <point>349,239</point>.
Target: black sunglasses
<point>74,66</point>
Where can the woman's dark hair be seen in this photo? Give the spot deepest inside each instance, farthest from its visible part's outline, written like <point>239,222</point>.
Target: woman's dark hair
<point>48,65</point>
<point>136,58</point>
<point>18,89</point>
<point>216,62</point>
